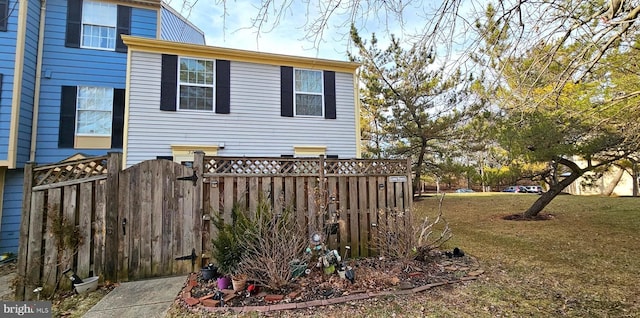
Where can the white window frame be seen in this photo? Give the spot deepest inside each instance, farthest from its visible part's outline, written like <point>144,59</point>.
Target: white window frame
<point>296,92</point>
<point>112,22</point>
<point>212,85</point>
<point>78,110</point>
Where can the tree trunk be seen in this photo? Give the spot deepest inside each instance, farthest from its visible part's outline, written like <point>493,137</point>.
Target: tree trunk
<point>608,191</point>
<point>419,163</point>
<point>548,196</point>
<point>634,175</point>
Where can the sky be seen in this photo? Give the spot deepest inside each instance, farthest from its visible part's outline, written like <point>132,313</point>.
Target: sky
<point>287,37</point>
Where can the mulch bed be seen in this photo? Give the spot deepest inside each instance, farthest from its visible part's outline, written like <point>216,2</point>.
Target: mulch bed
<point>373,276</point>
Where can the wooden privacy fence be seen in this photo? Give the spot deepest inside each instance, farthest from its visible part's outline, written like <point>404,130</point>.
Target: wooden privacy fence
<point>343,199</point>
<point>154,218</point>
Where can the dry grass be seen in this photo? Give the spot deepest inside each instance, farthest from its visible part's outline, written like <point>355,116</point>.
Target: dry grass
<point>583,263</point>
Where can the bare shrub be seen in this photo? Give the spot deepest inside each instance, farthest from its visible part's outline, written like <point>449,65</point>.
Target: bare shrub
<point>398,237</point>
<point>275,240</point>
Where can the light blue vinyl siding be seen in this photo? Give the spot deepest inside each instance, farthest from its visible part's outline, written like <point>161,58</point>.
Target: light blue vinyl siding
<point>11,211</point>
<point>77,67</point>
<point>7,63</point>
<point>175,29</point>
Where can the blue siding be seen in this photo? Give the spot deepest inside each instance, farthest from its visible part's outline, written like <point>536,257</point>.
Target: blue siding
<point>144,22</point>
<point>28,83</point>
<point>7,63</point>
<point>175,28</point>
<point>74,67</point>
<point>11,211</point>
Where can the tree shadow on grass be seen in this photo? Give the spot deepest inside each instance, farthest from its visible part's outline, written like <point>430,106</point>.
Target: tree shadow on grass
<point>521,217</point>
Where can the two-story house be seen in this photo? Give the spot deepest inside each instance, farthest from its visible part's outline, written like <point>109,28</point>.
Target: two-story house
<point>63,68</point>
<point>228,102</point>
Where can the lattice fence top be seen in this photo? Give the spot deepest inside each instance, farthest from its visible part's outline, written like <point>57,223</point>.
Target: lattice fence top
<point>304,166</point>
<point>70,171</point>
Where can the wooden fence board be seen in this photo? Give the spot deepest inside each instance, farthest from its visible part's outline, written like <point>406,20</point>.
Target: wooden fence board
<point>84,226</point>
<point>169,211</point>
<point>353,215</point>
<point>146,221</point>
<point>345,222</point>
<point>363,217</point>
<point>289,194</point>
<point>311,205</point>
<point>156,213</point>
<point>254,195</point>
<point>391,203</point>
<point>278,196</point>
<point>123,226</point>
<point>32,278</point>
<point>373,209</point>
<point>99,229</point>
<point>301,202</point>
<point>134,234</point>
<point>228,198</point>
<point>51,273</point>
<point>69,214</point>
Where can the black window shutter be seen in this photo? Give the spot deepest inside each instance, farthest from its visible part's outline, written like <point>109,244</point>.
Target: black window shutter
<point>117,120</point>
<point>4,14</point>
<point>223,87</point>
<point>124,27</point>
<point>74,23</point>
<point>0,86</point>
<point>169,85</point>
<point>329,94</point>
<point>67,131</point>
<point>286,91</point>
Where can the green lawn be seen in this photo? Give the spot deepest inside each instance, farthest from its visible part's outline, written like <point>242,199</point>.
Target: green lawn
<point>583,263</point>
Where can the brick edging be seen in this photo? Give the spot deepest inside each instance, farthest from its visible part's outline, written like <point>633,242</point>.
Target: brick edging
<point>332,301</point>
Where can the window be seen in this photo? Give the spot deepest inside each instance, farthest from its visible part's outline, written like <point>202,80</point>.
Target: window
<point>99,25</point>
<point>94,109</point>
<point>4,14</point>
<point>196,84</point>
<point>91,117</point>
<point>308,93</point>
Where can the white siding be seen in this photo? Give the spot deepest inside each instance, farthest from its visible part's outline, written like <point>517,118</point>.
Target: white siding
<point>253,128</point>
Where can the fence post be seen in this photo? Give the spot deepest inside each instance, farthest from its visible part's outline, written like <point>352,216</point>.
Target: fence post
<point>410,184</point>
<point>198,170</point>
<point>23,247</point>
<point>114,166</point>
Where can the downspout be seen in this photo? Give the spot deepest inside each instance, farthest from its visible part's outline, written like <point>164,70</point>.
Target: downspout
<point>36,95</point>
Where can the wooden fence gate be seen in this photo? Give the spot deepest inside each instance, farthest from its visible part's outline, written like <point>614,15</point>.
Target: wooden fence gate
<point>160,224</point>
<point>154,218</point>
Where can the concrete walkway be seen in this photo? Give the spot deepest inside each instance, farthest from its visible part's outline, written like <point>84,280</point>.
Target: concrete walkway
<point>147,298</point>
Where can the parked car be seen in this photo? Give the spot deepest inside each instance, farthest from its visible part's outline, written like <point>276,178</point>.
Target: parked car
<point>534,189</point>
<point>464,190</point>
<point>515,189</point>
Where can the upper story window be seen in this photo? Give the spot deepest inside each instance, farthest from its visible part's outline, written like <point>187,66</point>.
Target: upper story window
<point>308,93</point>
<point>196,84</point>
<point>99,25</point>
<point>94,111</point>
<point>4,14</point>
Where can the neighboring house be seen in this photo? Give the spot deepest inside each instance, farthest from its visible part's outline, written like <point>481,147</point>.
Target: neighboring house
<point>615,181</point>
<point>76,104</point>
<point>182,98</point>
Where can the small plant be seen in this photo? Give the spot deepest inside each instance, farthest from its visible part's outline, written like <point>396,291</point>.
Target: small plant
<point>229,245</point>
<point>398,237</point>
<point>276,241</point>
